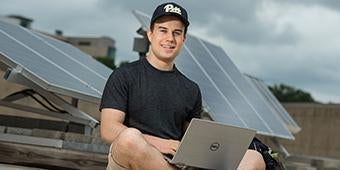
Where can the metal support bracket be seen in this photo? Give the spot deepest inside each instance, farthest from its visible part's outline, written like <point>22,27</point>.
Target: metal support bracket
<point>280,147</point>
<point>76,115</point>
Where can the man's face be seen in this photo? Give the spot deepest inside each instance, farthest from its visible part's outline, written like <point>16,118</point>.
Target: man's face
<point>166,38</point>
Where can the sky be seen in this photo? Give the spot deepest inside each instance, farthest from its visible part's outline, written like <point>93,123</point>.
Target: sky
<point>295,42</point>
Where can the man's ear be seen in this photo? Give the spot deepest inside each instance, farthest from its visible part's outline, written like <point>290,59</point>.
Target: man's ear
<point>149,34</point>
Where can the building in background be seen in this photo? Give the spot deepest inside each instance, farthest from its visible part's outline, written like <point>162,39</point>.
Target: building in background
<point>98,47</point>
<point>18,20</point>
<point>95,46</point>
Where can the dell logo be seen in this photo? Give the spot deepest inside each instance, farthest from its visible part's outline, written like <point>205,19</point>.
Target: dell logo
<point>214,146</point>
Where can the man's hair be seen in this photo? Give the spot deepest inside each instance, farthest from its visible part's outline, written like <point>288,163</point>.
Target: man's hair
<point>153,25</point>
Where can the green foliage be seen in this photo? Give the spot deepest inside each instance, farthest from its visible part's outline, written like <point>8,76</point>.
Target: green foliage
<point>285,93</point>
<point>123,63</point>
<point>109,62</point>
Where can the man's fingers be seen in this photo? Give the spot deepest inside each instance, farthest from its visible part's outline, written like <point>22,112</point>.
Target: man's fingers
<point>172,152</point>
<point>174,144</point>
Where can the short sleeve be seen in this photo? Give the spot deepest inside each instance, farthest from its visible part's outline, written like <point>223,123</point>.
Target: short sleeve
<point>115,93</point>
<point>197,109</point>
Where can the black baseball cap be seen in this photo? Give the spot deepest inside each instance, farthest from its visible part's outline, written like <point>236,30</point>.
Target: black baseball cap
<point>172,9</point>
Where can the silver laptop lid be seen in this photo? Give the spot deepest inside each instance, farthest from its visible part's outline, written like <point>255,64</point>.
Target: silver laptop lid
<point>212,145</point>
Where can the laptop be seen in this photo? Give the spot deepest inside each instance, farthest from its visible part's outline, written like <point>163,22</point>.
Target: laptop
<point>211,145</point>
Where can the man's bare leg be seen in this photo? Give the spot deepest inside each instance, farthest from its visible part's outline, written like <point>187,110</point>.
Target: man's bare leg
<point>252,160</point>
<point>132,151</point>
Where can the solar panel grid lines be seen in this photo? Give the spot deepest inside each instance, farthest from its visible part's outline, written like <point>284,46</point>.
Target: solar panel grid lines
<point>213,83</point>
<point>259,88</point>
<point>273,99</point>
<point>262,97</point>
<point>223,85</point>
<point>291,125</point>
<point>52,64</point>
<point>82,58</point>
<point>28,50</point>
<point>71,58</point>
<point>57,65</point>
<point>4,33</point>
<point>245,87</point>
<point>211,97</point>
<point>234,84</point>
<point>274,103</point>
<point>63,69</point>
<point>256,83</point>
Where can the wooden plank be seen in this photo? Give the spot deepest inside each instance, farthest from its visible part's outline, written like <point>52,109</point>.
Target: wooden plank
<point>50,158</point>
<point>31,140</point>
<point>15,167</point>
<point>34,123</point>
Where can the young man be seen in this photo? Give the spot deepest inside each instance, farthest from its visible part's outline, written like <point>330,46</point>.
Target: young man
<point>147,104</point>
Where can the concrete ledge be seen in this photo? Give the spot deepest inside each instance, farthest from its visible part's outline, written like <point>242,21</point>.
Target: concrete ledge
<point>19,131</point>
<point>96,148</point>
<point>2,129</point>
<point>97,140</point>
<point>76,137</point>
<point>32,123</point>
<point>51,158</point>
<point>47,133</point>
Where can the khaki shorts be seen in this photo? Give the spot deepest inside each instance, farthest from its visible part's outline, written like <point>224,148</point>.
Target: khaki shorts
<point>112,164</point>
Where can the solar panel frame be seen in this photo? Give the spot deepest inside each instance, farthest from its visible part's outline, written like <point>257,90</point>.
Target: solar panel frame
<point>274,103</point>
<point>15,53</point>
<point>210,94</point>
<point>237,105</point>
<point>259,107</point>
<point>83,58</point>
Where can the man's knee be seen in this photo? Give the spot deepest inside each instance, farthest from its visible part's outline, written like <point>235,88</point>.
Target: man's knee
<point>130,141</point>
<point>252,160</point>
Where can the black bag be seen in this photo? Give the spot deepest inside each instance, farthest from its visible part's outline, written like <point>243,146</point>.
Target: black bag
<point>271,163</point>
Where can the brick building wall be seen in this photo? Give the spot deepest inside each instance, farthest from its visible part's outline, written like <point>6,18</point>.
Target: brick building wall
<point>320,126</point>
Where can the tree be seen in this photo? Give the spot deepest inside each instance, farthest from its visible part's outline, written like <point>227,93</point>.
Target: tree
<point>123,63</point>
<point>286,93</point>
<point>109,62</point>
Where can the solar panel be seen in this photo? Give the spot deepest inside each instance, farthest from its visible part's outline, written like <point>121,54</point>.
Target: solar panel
<point>51,64</point>
<point>81,57</point>
<point>226,94</point>
<point>274,103</point>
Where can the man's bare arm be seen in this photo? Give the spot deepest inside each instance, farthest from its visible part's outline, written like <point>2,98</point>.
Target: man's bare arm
<point>112,125</point>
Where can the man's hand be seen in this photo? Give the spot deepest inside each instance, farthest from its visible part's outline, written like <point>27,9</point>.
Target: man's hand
<point>165,146</point>
<point>168,146</point>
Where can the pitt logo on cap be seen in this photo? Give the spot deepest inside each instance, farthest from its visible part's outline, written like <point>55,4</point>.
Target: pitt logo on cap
<point>173,9</point>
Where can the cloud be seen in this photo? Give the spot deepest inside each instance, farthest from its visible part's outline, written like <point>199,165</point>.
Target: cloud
<point>222,17</point>
<point>228,18</point>
<point>307,59</point>
<point>330,4</point>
